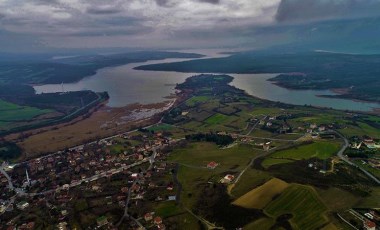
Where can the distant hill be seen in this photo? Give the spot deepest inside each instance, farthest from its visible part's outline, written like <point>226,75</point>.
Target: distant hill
<point>40,70</point>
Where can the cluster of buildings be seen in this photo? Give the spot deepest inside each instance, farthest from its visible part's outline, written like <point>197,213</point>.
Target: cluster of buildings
<point>58,181</point>
<point>367,142</point>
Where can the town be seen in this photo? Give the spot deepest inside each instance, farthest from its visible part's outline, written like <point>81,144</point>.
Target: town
<point>126,174</point>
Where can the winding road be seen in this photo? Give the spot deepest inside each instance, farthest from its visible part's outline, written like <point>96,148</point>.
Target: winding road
<point>342,157</point>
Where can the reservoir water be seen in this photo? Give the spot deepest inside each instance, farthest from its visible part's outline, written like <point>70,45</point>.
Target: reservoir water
<point>126,85</point>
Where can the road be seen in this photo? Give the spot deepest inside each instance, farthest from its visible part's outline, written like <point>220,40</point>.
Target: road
<point>342,157</point>
<point>250,165</point>
<point>268,138</point>
<point>178,184</point>
<point>126,214</point>
<point>254,126</point>
<point>204,221</point>
<point>10,184</point>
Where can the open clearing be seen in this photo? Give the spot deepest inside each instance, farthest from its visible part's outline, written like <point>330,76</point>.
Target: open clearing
<point>259,197</point>
<point>194,158</point>
<point>200,153</point>
<point>308,211</point>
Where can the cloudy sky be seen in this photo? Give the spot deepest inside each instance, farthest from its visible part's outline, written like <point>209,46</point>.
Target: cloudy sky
<point>34,24</point>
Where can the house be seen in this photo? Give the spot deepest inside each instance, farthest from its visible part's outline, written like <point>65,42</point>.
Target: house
<point>369,225</point>
<point>157,220</point>
<point>172,198</point>
<point>212,165</point>
<point>22,205</point>
<point>313,126</point>
<point>266,146</point>
<point>170,187</point>
<point>148,217</point>
<point>62,226</point>
<point>135,175</point>
<point>227,179</point>
<point>356,145</point>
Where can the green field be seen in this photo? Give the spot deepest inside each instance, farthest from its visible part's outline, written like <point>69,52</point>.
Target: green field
<point>197,99</point>
<point>217,119</point>
<point>167,209</point>
<point>318,149</point>
<point>199,154</point>
<point>360,130</point>
<point>308,211</point>
<point>10,112</point>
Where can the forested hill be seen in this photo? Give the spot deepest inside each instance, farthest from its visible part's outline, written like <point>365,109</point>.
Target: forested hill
<point>72,69</point>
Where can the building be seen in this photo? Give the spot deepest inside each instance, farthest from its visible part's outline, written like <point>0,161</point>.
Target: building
<point>266,146</point>
<point>212,165</point>
<point>369,225</point>
<point>22,205</point>
<point>148,216</point>
<point>227,179</point>
<point>157,220</point>
<point>62,226</point>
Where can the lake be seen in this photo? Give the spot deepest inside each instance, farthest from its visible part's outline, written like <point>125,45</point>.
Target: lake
<point>126,85</point>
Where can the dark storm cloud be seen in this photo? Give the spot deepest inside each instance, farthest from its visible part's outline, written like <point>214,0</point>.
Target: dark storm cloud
<point>153,23</point>
<point>165,3</point>
<point>112,32</point>
<point>309,10</point>
<point>110,10</point>
<point>210,1</point>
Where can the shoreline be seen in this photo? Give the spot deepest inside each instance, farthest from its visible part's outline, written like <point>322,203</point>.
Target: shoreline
<point>374,111</point>
<point>339,94</point>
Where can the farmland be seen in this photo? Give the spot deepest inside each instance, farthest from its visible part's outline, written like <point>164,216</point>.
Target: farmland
<point>287,161</point>
<point>259,197</point>
<point>302,202</point>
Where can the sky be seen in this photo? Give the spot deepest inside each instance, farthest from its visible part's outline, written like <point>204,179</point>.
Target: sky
<point>42,24</point>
